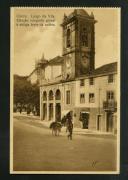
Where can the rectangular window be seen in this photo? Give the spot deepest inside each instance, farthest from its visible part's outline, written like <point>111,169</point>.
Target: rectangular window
<point>110,95</point>
<point>82,98</point>
<point>82,82</point>
<point>91,81</point>
<point>110,78</point>
<point>68,97</point>
<point>91,97</point>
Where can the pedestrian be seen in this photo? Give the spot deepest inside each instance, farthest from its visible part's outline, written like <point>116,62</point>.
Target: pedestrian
<point>34,110</point>
<point>69,126</point>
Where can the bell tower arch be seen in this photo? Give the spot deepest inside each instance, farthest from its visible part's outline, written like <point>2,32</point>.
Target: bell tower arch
<point>78,44</point>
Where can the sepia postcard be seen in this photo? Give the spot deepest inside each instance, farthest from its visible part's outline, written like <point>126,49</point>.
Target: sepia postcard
<point>65,90</point>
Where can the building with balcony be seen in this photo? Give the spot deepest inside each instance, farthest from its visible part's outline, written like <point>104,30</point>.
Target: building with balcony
<point>71,83</point>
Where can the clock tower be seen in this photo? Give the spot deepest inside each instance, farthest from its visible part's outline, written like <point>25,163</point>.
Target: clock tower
<point>78,44</point>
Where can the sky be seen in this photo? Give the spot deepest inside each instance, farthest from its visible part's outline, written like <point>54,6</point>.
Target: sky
<point>30,43</point>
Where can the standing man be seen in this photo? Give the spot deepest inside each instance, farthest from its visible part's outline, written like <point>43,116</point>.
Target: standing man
<point>69,126</point>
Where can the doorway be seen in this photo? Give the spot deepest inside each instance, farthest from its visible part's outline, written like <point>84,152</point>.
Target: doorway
<point>84,116</point>
<point>98,122</point>
<point>50,111</point>
<point>58,112</point>
<point>44,111</point>
<point>109,122</point>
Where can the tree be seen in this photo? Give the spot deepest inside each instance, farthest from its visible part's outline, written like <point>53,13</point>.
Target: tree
<point>26,94</point>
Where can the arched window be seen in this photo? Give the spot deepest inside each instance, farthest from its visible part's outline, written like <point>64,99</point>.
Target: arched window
<point>44,96</point>
<point>50,95</point>
<point>84,37</point>
<point>68,38</point>
<point>58,95</point>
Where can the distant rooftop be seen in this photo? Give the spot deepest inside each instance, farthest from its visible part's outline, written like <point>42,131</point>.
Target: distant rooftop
<point>101,71</point>
<point>56,60</point>
<point>105,69</point>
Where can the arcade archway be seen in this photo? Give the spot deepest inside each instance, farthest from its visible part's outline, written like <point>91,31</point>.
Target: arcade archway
<point>58,112</point>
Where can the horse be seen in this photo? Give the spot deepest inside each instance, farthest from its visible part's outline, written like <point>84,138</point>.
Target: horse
<point>56,128</point>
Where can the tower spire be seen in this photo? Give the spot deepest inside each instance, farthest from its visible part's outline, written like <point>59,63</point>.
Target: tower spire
<point>65,16</point>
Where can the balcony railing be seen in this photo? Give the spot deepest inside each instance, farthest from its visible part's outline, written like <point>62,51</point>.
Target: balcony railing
<point>110,105</point>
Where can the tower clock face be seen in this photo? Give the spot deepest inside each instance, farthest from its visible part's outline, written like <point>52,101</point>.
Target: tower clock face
<point>85,60</point>
<point>68,64</point>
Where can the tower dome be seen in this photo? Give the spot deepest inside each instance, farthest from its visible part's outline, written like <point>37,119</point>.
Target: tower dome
<point>81,12</point>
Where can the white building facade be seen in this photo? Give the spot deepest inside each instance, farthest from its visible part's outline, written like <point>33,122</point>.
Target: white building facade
<point>72,83</point>
<point>93,98</point>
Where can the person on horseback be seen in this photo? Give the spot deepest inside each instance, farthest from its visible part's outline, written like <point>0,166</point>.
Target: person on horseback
<point>69,126</point>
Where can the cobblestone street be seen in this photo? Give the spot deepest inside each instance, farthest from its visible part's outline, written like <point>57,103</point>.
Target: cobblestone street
<point>35,149</point>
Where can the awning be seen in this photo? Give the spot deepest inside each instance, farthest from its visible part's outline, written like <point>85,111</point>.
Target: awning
<point>65,112</point>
